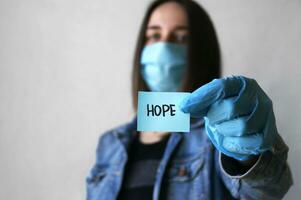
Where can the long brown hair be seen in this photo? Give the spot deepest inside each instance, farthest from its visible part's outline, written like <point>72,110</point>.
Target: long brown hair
<point>204,62</point>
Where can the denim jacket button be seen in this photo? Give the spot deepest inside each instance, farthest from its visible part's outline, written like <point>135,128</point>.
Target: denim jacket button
<point>182,171</point>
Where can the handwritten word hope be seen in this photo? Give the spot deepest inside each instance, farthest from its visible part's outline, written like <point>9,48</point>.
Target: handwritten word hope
<point>159,112</point>
<point>164,109</point>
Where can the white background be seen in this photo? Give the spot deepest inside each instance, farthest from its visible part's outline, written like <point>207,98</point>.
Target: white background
<point>65,70</point>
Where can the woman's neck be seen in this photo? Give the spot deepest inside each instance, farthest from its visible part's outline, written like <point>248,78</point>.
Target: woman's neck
<point>152,137</point>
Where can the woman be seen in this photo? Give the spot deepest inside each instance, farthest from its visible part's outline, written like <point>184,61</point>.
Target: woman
<point>233,150</point>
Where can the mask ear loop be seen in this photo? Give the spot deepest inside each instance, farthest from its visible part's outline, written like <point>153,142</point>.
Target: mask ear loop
<point>184,87</point>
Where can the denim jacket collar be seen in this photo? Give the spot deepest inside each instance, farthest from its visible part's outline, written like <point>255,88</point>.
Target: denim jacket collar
<point>122,133</point>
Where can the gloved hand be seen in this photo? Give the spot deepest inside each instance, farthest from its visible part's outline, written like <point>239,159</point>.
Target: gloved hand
<point>239,117</point>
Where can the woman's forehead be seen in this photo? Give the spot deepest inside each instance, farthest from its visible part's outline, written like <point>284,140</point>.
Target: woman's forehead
<point>169,14</point>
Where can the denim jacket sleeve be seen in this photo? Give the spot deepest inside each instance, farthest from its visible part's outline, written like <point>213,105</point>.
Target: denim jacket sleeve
<point>93,174</point>
<point>269,178</point>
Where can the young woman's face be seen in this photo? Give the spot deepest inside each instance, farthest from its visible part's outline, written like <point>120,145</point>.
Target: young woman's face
<point>167,23</point>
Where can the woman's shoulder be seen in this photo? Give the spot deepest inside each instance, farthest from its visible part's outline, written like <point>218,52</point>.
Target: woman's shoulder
<point>110,143</point>
<point>120,131</point>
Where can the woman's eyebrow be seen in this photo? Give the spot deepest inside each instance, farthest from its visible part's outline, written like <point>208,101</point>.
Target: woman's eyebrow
<point>155,27</point>
<point>181,27</point>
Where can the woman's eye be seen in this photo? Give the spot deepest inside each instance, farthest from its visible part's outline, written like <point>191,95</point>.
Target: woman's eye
<point>154,37</point>
<point>181,38</point>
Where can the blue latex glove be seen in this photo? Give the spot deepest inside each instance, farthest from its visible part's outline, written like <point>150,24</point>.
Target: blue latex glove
<point>239,117</point>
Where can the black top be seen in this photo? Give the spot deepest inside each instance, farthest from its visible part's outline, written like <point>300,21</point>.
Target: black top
<point>140,170</point>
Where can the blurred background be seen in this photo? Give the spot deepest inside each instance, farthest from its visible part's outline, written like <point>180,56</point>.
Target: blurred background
<point>65,69</point>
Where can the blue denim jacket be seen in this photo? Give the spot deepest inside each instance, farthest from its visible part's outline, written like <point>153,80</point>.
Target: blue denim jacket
<point>206,175</point>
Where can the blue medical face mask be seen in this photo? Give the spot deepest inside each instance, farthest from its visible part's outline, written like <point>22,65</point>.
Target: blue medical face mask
<point>163,66</point>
